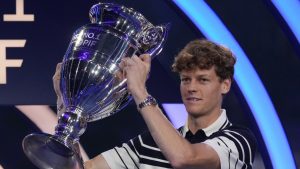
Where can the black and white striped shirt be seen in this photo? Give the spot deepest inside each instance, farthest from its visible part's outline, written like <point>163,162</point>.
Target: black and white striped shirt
<point>234,145</point>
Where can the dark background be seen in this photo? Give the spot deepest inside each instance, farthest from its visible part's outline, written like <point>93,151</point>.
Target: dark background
<point>255,24</point>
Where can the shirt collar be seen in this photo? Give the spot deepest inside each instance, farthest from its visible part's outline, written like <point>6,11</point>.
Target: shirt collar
<point>212,128</point>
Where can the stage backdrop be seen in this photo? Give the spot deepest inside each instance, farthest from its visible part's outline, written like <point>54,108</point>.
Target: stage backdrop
<point>34,36</point>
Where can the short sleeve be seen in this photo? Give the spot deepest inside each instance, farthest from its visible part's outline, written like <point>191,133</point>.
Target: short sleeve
<point>140,152</point>
<point>235,148</point>
<point>121,157</point>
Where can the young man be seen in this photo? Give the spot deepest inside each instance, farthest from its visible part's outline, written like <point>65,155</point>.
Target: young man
<point>208,140</point>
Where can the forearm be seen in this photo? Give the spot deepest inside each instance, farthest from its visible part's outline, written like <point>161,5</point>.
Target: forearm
<point>97,162</point>
<point>177,150</point>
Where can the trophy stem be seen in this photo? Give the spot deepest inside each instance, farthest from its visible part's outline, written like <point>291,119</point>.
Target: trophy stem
<point>71,125</point>
<point>62,149</point>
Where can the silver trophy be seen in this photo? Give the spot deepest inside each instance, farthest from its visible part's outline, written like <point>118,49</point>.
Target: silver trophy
<point>89,83</point>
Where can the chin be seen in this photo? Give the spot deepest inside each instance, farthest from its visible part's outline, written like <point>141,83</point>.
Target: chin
<point>194,113</point>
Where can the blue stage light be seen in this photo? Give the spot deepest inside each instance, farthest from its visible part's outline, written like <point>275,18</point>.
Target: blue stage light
<point>290,11</point>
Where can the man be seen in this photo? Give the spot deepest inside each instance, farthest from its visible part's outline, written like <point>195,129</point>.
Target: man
<point>208,140</point>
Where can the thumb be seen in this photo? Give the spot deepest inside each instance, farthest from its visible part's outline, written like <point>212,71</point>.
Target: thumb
<point>145,58</point>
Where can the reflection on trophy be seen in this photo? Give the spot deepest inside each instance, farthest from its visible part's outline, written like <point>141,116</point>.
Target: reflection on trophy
<point>89,84</point>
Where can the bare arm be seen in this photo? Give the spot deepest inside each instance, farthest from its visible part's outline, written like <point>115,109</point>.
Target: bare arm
<point>97,162</point>
<point>175,148</point>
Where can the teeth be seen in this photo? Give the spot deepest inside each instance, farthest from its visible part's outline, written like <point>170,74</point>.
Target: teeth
<point>193,99</point>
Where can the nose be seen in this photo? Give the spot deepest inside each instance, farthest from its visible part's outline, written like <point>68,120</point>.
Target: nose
<point>192,87</point>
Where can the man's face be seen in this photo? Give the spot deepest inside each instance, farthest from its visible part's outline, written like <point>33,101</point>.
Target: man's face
<point>201,91</point>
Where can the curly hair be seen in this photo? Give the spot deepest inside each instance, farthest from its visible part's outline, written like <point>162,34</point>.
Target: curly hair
<point>204,54</point>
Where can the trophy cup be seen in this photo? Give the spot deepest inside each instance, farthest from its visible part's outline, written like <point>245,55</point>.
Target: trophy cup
<point>89,85</point>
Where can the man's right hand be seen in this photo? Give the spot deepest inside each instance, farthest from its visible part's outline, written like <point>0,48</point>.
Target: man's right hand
<point>56,81</point>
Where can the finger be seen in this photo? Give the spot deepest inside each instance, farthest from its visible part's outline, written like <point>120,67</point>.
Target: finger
<point>124,75</point>
<point>122,64</point>
<point>56,76</point>
<point>56,79</point>
<point>57,72</point>
<point>57,89</point>
<point>125,61</point>
<point>136,59</point>
<point>119,75</point>
<point>129,62</point>
<point>58,66</point>
<point>146,58</point>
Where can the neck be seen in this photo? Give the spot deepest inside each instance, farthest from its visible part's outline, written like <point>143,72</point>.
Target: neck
<point>201,122</point>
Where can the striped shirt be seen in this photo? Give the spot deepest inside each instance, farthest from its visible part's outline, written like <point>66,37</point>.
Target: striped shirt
<point>235,146</point>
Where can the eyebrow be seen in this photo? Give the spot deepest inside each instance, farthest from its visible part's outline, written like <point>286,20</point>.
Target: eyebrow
<point>201,75</point>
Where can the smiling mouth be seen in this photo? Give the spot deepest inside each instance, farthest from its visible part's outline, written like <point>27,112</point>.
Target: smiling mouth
<point>193,99</point>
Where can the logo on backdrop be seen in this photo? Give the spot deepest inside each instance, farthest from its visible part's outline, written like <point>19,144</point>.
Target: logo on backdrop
<point>6,63</point>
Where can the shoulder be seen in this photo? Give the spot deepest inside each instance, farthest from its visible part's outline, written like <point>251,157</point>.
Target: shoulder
<point>234,144</point>
<point>239,133</point>
<point>242,137</point>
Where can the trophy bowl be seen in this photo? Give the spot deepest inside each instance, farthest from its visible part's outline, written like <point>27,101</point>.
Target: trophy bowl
<point>91,89</point>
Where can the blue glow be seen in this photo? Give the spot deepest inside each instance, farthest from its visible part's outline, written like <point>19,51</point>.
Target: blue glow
<point>176,113</point>
<point>290,11</point>
<point>248,81</point>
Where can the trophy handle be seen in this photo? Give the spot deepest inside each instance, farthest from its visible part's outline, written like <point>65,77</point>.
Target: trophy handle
<point>154,38</point>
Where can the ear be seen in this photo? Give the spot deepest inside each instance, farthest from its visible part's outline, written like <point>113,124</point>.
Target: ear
<point>225,86</point>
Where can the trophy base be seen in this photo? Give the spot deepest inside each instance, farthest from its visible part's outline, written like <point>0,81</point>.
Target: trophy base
<point>45,151</point>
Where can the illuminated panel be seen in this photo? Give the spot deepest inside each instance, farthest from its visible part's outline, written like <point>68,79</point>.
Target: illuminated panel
<point>248,81</point>
<point>176,113</point>
<point>290,11</point>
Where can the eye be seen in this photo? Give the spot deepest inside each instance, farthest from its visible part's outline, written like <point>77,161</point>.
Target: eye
<point>203,80</point>
<point>185,79</point>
